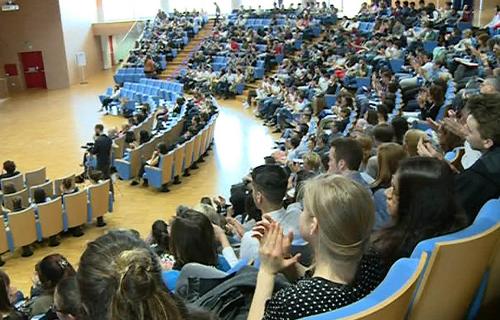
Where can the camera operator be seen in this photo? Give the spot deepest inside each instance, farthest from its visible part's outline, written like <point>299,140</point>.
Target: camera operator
<point>102,151</point>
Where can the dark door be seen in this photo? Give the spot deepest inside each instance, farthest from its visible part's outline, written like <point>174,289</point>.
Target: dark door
<point>34,72</point>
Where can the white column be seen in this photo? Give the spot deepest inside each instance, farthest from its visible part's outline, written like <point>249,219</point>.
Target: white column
<point>106,57</point>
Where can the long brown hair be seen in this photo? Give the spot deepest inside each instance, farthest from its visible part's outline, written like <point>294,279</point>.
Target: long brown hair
<point>388,155</point>
<point>192,229</point>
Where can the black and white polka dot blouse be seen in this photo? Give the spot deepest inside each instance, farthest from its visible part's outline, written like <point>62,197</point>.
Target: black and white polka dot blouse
<point>310,296</point>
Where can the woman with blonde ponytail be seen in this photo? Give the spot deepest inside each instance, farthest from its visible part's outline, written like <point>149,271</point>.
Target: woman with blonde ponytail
<point>337,221</point>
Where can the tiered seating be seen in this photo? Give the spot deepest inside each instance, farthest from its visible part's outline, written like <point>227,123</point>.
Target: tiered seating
<point>462,260</point>
<point>171,165</point>
<point>184,156</point>
<point>149,91</point>
<point>129,75</point>
<point>47,219</point>
<point>129,168</point>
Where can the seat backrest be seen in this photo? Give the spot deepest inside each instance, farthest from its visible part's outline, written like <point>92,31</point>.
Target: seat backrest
<point>36,177</point>
<point>23,227</point>
<point>490,212</point>
<point>204,137</point>
<point>196,147</point>
<point>179,153</point>
<point>489,304</point>
<point>48,187</point>
<point>3,237</point>
<point>389,300</point>
<point>453,275</point>
<point>147,150</point>
<point>188,159</point>
<point>211,132</point>
<point>167,161</point>
<point>135,160</point>
<point>24,194</point>
<point>119,147</point>
<point>75,207</point>
<point>50,215</point>
<point>17,181</point>
<point>99,199</point>
<point>58,183</point>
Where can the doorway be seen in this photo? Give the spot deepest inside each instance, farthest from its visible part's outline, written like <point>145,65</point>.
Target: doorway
<point>34,72</point>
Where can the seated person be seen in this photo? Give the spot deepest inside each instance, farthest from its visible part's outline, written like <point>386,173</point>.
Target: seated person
<point>67,301</point>
<point>48,272</point>
<point>161,149</point>
<point>121,254</point>
<point>269,185</point>
<point>341,275</point>
<point>9,170</point>
<point>39,196</point>
<point>9,296</point>
<point>415,212</point>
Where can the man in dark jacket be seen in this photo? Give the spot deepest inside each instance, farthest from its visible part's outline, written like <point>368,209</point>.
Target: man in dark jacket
<point>481,182</point>
<point>102,150</point>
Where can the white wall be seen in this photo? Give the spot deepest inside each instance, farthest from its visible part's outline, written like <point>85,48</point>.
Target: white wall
<point>77,18</point>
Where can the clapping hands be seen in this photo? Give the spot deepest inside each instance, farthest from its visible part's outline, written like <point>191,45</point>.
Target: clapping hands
<point>274,248</point>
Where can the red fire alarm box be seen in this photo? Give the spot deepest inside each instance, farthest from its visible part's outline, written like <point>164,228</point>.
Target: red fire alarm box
<point>10,69</point>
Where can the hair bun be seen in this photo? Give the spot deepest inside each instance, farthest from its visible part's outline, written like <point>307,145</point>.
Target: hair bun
<point>136,270</point>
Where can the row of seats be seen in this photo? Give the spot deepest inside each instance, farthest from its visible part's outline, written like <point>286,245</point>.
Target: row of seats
<point>147,91</point>
<point>129,168</point>
<point>129,75</point>
<point>51,218</point>
<point>29,180</point>
<point>166,85</point>
<point>183,157</point>
<point>446,277</point>
<point>174,163</point>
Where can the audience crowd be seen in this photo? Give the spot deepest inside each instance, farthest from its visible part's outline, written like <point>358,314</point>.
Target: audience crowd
<point>161,39</point>
<point>408,150</point>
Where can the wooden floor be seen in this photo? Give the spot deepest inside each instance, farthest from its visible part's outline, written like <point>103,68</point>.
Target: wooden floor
<point>46,128</point>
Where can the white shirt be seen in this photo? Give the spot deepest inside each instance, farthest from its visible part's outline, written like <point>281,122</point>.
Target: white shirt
<point>470,156</point>
<point>288,219</point>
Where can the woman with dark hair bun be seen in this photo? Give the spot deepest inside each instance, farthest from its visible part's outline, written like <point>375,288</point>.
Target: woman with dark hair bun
<point>48,272</point>
<point>422,205</point>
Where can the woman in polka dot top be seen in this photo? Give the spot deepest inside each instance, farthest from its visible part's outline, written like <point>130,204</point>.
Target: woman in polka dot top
<point>337,221</point>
